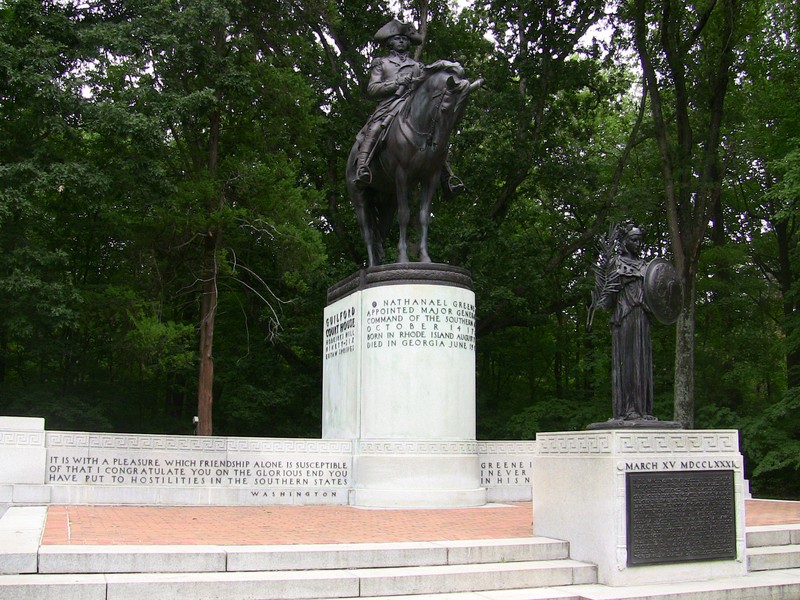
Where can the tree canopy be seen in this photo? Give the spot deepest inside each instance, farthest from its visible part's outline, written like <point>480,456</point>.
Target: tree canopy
<point>173,207</point>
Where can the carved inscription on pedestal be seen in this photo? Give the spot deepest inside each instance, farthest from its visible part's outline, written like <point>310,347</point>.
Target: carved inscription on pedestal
<point>680,516</point>
<point>428,322</point>
<point>340,333</point>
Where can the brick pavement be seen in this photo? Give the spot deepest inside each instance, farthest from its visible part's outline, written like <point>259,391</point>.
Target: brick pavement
<point>312,524</point>
<point>771,512</point>
<point>278,524</point>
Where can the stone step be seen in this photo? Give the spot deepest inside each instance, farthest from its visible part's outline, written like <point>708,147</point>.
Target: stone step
<point>199,559</point>
<point>773,585</point>
<point>773,557</point>
<point>20,532</point>
<point>765,585</point>
<point>334,583</point>
<point>550,593</point>
<point>773,535</point>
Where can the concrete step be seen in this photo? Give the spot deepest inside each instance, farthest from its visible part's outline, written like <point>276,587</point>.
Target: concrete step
<point>202,559</point>
<point>462,578</point>
<point>773,557</point>
<point>773,535</point>
<point>773,547</point>
<point>765,585</point>
<point>773,585</point>
<point>20,533</point>
<point>334,583</point>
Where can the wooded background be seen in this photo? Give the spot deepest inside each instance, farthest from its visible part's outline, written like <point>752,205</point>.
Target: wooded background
<point>171,185</point>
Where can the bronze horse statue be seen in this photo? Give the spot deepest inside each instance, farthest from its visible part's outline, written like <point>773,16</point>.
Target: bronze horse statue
<point>412,152</point>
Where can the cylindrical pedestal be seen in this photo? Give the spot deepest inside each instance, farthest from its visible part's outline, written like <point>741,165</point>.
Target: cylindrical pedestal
<point>399,378</point>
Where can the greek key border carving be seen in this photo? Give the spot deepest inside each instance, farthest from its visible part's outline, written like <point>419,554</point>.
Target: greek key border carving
<point>71,439</point>
<point>619,442</point>
<point>573,443</point>
<point>507,447</point>
<point>417,447</point>
<point>114,441</point>
<point>713,442</point>
<point>21,438</point>
<point>297,446</point>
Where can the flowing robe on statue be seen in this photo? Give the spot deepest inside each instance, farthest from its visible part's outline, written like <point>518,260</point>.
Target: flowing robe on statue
<point>632,369</point>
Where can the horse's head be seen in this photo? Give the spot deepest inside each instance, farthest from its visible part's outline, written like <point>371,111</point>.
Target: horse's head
<point>441,92</point>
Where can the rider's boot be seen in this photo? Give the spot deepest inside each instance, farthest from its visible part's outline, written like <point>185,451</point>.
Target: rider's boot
<point>363,174</point>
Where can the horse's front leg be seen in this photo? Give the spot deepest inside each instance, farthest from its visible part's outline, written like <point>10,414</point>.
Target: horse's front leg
<point>425,202</point>
<point>366,225</point>
<point>403,214</point>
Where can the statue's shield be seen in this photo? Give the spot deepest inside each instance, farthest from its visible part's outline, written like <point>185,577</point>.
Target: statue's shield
<point>662,290</point>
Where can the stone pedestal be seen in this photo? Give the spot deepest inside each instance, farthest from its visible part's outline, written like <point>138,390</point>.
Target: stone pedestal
<point>399,379</point>
<point>645,506</point>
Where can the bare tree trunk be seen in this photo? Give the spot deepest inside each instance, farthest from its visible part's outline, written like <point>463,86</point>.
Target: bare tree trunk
<point>209,294</point>
<point>683,410</point>
<point>786,234</point>
<point>3,353</point>
<point>422,14</point>
<point>691,187</point>
<point>208,313</point>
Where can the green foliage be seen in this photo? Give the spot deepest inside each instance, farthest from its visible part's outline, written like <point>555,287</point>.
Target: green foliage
<point>138,140</point>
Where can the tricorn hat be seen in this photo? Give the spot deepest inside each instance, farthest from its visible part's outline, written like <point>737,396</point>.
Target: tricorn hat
<point>395,27</point>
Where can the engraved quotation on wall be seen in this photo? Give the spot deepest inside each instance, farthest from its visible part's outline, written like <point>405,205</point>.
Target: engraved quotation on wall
<point>501,471</point>
<point>257,474</point>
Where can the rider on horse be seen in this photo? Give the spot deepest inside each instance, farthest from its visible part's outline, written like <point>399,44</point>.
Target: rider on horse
<point>390,80</point>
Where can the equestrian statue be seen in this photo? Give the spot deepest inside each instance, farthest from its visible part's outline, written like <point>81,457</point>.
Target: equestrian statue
<point>404,144</point>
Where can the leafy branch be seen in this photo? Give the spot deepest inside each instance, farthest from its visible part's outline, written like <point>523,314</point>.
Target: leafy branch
<point>606,277</point>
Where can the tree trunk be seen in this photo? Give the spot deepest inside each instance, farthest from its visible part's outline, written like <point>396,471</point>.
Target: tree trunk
<point>692,188</point>
<point>422,13</point>
<point>3,353</point>
<point>208,313</point>
<point>790,306</point>
<point>684,357</point>
<point>209,294</point>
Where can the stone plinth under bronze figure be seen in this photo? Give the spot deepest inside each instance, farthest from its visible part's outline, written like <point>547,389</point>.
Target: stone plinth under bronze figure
<point>645,506</point>
<point>399,380</point>
<point>634,291</point>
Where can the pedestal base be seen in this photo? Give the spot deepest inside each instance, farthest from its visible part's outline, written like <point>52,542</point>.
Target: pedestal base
<point>637,424</point>
<point>417,474</point>
<point>399,380</point>
<point>646,506</point>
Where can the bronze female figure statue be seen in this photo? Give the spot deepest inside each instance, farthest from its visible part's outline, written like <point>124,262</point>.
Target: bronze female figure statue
<point>634,291</point>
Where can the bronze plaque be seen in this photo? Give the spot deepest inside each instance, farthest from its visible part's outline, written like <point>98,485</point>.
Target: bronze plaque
<point>680,516</point>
